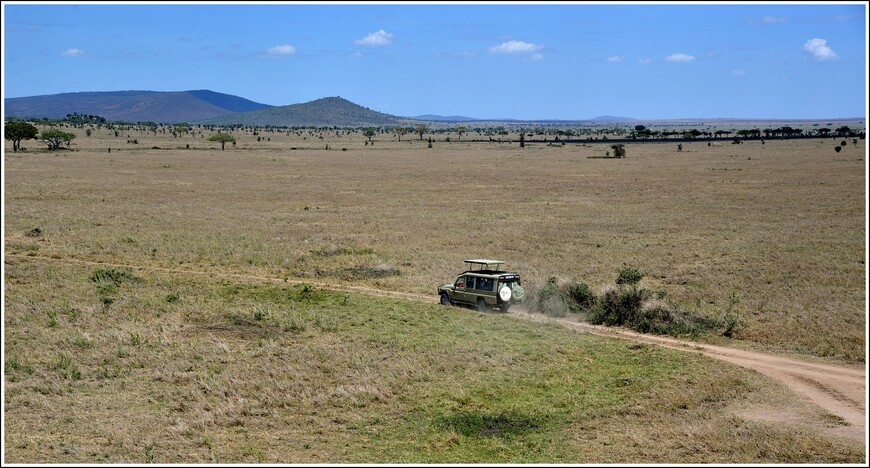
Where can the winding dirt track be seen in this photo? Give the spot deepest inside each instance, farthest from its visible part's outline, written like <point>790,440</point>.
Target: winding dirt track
<point>839,390</point>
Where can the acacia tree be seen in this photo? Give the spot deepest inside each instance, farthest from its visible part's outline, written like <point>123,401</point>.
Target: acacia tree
<point>843,131</point>
<point>461,130</point>
<point>369,132</point>
<point>17,131</point>
<point>222,138</point>
<point>618,150</point>
<point>55,138</point>
<point>400,131</point>
<point>421,129</point>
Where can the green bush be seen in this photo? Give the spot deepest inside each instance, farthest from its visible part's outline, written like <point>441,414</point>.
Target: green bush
<point>653,317</point>
<point>551,300</point>
<point>628,276</point>
<point>618,306</point>
<point>582,296</point>
<point>659,318</point>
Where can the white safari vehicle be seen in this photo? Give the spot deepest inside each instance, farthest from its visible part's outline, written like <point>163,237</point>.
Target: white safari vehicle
<point>486,287</point>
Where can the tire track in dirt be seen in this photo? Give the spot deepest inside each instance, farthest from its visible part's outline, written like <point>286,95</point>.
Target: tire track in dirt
<point>839,390</point>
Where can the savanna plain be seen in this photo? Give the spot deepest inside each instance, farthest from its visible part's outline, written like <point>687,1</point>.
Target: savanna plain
<point>170,302</point>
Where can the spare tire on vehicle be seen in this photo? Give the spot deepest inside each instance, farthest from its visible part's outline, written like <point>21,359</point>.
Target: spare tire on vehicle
<point>518,293</point>
<point>505,293</point>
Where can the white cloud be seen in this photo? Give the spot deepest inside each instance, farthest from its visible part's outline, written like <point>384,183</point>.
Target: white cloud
<point>282,50</point>
<point>514,47</point>
<point>73,53</point>
<point>380,38</point>
<point>680,58</point>
<point>820,51</point>
<point>615,58</point>
<point>737,72</point>
<point>773,19</point>
<point>645,61</point>
<point>534,57</point>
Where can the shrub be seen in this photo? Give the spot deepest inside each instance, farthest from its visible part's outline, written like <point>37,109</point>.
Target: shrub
<point>551,300</point>
<point>653,317</point>
<point>837,149</point>
<point>618,306</point>
<point>732,320</point>
<point>582,296</point>
<point>618,150</point>
<point>629,276</point>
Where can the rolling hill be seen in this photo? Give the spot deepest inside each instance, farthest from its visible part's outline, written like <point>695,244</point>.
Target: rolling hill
<point>132,106</point>
<point>324,112</point>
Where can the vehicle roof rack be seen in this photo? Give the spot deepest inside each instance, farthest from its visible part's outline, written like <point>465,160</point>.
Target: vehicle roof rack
<point>486,263</point>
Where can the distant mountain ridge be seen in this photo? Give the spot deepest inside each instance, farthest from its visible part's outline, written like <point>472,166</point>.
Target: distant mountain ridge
<point>325,112</point>
<point>209,107</point>
<point>132,106</point>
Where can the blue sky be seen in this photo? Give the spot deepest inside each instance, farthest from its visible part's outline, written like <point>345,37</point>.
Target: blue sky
<point>521,61</point>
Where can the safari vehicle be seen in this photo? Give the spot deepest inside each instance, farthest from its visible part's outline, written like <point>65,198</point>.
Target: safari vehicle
<point>484,288</point>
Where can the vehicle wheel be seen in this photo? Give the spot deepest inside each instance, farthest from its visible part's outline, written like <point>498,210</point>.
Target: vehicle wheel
<point>481,305</point>
<point>445,300</point>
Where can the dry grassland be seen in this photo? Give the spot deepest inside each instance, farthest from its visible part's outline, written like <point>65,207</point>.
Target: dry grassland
<point>180,369</point>
<point>780,225</point>
<point>173,368</point>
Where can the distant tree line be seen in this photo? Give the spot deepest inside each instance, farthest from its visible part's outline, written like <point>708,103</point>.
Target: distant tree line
<point>76,118</point>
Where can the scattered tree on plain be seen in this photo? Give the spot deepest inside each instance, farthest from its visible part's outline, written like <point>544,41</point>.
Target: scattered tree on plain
<point>17,131</point>
<point>618,150</point>
<point>55,139</point>
<point>222,138</point>
<point>421,129</point>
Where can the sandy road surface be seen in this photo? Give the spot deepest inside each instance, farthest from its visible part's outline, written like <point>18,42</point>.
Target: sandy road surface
<point>840,390</point>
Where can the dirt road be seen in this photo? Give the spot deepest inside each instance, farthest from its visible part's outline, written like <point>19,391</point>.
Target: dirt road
<point>839,390</point>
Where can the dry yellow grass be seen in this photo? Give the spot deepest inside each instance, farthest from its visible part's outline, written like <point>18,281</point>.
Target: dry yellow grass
<point>781,225</point>
<point>177,368</point>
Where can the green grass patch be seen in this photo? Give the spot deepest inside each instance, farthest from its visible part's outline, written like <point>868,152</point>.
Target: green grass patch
<point>248,373</point>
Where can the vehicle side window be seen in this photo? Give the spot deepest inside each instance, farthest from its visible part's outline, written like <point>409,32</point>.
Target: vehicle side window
<point>470,282</point>
<point>484,284</point>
